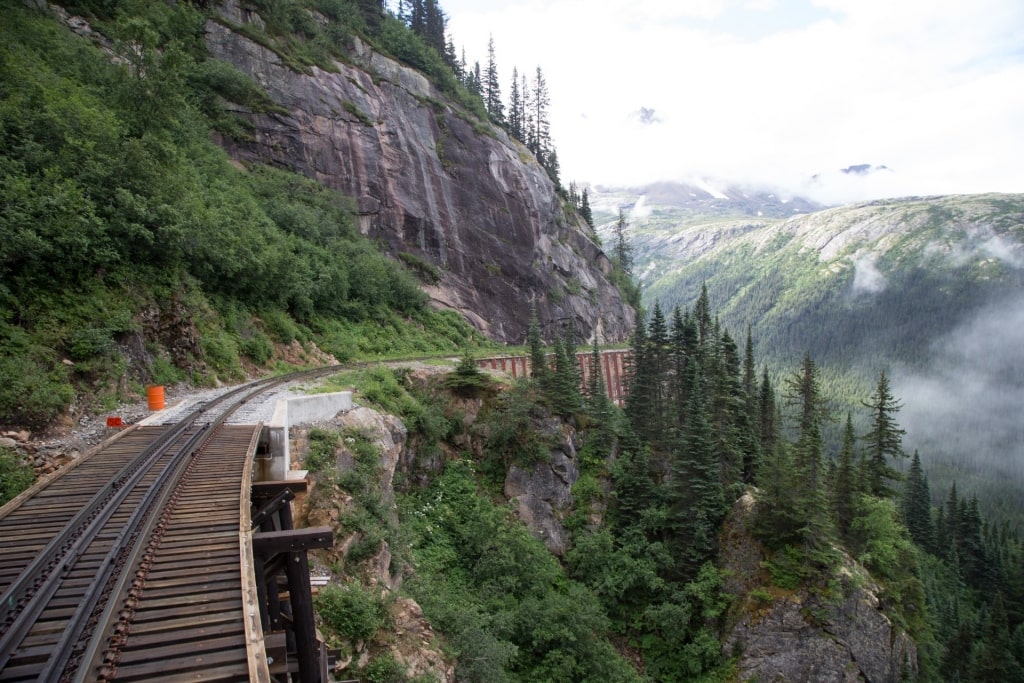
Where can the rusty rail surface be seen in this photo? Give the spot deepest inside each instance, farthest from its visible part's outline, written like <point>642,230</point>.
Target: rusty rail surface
<point>127,566</point>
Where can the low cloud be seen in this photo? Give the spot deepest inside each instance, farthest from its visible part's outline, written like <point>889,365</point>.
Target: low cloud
<point>867,279</point>
<point>965,407</point>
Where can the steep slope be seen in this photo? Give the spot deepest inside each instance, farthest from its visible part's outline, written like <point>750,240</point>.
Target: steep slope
<point>432,182</point>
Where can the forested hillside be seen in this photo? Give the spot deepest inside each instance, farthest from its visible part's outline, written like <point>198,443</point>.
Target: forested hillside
<point>928,289</point>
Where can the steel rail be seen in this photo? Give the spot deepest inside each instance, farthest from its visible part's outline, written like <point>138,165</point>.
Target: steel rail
<point>26,598</point>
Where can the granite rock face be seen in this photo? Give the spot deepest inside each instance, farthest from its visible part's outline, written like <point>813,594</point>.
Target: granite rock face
<point>799,635</point>
<point>543,493</point>
<point>432,181</point>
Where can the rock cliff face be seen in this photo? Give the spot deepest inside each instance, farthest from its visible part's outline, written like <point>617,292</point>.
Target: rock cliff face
<point>542,494</point>
<point>801,635</point>
<point>433,182</point>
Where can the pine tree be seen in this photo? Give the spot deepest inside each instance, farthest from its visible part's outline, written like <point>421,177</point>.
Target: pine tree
<point>565,381</point>
<point>751,421</point>
<point>779,518</point>
<point>622,254</point>
<point>539,134</point>
<point>515,108</point>
<point>768,433</point>
<point>728,409</point>
<point>598,404</point>
<point>804,392</point>
<point>585,210</point>
<point>698,499</point>
<point>640,376</point>
<point>473,84</point>
<point>684,351</point>
<point>492,88</point>
<point>846,488</point>
<point>538,356</point>
<point>884,441</point>
<point>372,11</point>
<point>657,359</point>
<point>917,506</point>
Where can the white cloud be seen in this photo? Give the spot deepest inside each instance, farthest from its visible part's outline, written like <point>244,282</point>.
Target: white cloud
<point>867,279</point>
<point>930,89</point>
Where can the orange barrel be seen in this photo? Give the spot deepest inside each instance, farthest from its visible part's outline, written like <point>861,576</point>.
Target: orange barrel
<point>155,397</point>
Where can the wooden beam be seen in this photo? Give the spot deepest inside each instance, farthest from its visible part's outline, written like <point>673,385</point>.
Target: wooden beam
<point>269,543</point>
<point>268,489</point>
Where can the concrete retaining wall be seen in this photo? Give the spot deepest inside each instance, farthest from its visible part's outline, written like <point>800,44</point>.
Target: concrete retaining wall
<point>287,413</point>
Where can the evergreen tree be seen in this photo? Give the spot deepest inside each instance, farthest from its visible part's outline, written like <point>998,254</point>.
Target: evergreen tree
<point>539,134</point>
<point>515,108</point>
<point>565,381</point>
<point>917,506</point>
<point>751,414</point>
<point>779,519</point>
<point>640,378</point>
<point>585,210</point>
<point>884,441</point>
<point>768,433</point>
<point>657,359</point>
<point>434,25</point>
<point>702,314</point>
<point>372,12</point>
<point>684,351</point>
<point>846,488</point>
<point>805,394</point>
<point>728,410</point>
<point>698,502</point>
<point>473,83</point>
<point>538,355</point>
<point>492,88</point>
<point>622,254</point>
<point>599,406</point>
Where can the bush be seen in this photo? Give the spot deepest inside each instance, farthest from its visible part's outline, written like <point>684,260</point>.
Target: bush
<point>384,669</point>
<point>351,611</point>
<point>15,476</point>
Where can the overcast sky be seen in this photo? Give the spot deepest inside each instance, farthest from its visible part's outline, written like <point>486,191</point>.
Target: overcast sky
<point>770,91</point>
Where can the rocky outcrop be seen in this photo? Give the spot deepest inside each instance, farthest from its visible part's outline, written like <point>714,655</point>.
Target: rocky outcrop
<point>806,634</point>
<point>432,181</point>
<point>542,493</point>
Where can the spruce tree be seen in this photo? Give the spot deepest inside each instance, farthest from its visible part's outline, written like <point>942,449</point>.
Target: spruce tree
<point>492,87</point>
<point>658,352</point>
<point>622,254</point>
<point>768,432</point>
<point>539,135</point>
<point>884,441</point>
<point>805,394</point>
<point>538,355</point>
<point>585,210</point>
<point>698,499</point>
<point>515,108</point>
<point>750,419</point>
<point>846,488</point>
<point>917,506</point>
<point>598,405</point>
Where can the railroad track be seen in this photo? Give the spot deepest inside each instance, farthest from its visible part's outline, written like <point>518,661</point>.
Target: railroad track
<point>100,564</point>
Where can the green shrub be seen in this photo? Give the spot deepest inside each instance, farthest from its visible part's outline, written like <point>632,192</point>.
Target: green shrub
<point>258,348</point>
<point>322,445</point>
<point>353,612</point>
<point>384,669</point>
<point>15,476</point>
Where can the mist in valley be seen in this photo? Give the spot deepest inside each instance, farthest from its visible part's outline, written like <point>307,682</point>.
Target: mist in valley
<point>964,412</point>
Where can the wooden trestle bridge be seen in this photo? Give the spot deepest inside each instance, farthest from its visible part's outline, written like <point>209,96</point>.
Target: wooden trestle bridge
<point>155,557</point>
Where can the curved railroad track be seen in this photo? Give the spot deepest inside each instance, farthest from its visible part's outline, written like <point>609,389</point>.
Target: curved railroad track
<point>141,514</point>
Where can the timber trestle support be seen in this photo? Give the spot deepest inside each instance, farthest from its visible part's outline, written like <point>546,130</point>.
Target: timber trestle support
<point>281,569</point>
